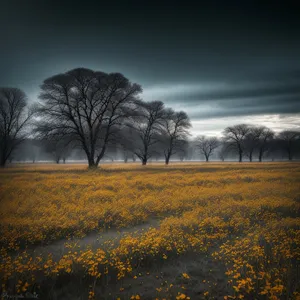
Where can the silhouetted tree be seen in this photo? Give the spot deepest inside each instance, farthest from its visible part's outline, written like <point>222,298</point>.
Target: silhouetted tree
<point>126,140</point>
<point>149,127</point>
<point>265,135</point>
<point>87,107</point>
<point>235,137</point>
<point>15,115</point>
<point>251,141</point>
<point>223,152</point>
<point>289,139</point>
<point>58,148</point>
<point>175,126</point>
<point>207,145</point>
<point>31,149</point>
<point>183,148</point>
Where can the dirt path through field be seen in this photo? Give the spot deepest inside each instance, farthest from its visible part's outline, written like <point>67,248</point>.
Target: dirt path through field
<point>94,240</point>
<point>162,280</point>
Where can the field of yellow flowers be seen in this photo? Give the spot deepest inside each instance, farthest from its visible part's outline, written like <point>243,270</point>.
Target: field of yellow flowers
<point>184,231</point>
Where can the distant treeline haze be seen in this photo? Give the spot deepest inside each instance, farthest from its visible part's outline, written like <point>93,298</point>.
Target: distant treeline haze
<point>94,116</point>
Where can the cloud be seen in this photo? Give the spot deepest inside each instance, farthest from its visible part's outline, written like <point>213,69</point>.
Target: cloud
<point>273,101</point>
<point>174,92</point>
<point>215,126</point>
<point>275,95</point>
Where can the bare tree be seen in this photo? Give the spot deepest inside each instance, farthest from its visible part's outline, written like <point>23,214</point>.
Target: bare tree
<point>183,149</point>
<point>67,151</point>
<point>31,150</point>
<point>223,152</point>
<point>265,135</point>
<point>257,139</point>
<point>87,107</point>
<point>251,141</point>
<point>235,137</point>
<point>149,127</point>
<point>133,156</point>
<point>15,115</point>
<point>289,139</point>
<point>175,125</point>
<point>207,145</point>
<point>126,138</point>
<point>58,148</point>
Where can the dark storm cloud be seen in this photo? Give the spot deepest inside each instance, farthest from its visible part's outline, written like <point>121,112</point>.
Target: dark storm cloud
<point>240,89</point>
<point>264,94</point>
<point>242,106</point>
<point>213,59</point>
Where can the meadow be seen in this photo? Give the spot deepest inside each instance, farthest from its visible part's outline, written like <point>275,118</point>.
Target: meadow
<point>125,231</point>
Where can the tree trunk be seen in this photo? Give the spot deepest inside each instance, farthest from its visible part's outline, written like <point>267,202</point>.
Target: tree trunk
<point>2,162</point>
<point>290,154</point>
<point>4,150</point>
<point>144,161</point>
<point>206,158</point>
<point>92,163</point>
<point>260,156</point>
<point>64,160</point>
<point>167,160</point>
<point>289,150</point>
<point>250,157</point>
<point>57,160</point>
<point>240,155</point>
<point>167,157</point>
<point>100,157</point>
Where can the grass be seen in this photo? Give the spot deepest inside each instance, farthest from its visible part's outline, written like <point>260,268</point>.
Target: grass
<point>192,230</point>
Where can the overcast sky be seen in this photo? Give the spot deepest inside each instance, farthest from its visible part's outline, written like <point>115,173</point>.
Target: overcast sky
<point>224,63</point>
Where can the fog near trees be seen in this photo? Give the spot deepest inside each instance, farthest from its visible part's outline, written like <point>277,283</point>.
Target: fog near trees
<point>91,116</point>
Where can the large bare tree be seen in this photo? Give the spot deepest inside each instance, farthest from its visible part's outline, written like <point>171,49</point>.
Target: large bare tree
<point>207,145</point>
<point>15,115</point>
<point>176,126</point>
<point>149,126</point>
<point>87,107</point>
<point>235,136</point>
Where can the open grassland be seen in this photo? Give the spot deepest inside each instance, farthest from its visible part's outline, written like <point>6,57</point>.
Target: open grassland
<point>185,231</point>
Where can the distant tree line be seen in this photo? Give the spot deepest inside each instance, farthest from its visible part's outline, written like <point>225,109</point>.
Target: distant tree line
<point>84,114</point>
